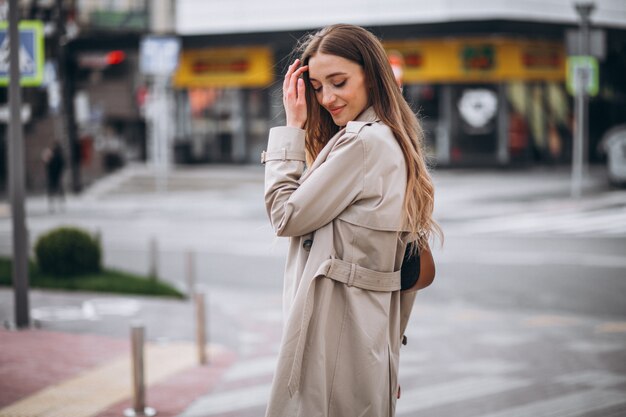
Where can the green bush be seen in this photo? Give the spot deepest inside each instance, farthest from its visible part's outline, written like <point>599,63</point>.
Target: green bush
<point>67,252</point>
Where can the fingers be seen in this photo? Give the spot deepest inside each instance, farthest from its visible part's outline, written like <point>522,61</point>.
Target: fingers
<point>293,82</point>
<point>294,97</point>
<point>291,88</point>
<point>301,96</point>
<point>296,85</point>
<point>288,75</point>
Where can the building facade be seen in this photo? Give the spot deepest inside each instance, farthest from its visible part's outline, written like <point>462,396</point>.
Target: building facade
<point>488,79</point>
<point>89,99</point>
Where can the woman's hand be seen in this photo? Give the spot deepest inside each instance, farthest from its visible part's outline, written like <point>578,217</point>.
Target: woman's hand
<point>294,98</point>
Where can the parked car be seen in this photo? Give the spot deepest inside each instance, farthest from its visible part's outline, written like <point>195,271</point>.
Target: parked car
<point>614,144</point>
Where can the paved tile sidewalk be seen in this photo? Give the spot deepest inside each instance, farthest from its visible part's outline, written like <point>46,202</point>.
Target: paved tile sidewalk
<point>44,373</point>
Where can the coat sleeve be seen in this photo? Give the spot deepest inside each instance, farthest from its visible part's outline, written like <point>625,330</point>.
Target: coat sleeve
<point>295,208</point>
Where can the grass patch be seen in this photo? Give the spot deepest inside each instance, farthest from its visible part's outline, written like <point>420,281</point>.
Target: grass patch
<point>108,280</point>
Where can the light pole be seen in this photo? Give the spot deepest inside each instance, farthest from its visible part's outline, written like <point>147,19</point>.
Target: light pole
<point>16,175</point>
<point>579,154</point>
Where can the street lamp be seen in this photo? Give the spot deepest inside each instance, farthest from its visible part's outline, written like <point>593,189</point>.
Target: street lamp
<point>584,11</point>
<point>579,154</point>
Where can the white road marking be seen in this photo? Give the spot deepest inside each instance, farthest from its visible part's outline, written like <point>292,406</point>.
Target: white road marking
<point>595,347</point>
<point>506,339</point>
<point>595,379</point>
<point>610,221</point>
<point>228,401</point>
<point>570,405</point>
<point>535,258</point>
<point>460,390</point>
<point>252,368</point>
<point>487,367</point>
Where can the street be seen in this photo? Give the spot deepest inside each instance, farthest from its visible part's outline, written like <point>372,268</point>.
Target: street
<point>526,316</point>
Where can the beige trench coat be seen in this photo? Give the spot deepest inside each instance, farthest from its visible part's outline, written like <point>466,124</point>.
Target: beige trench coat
<point>344,313</point>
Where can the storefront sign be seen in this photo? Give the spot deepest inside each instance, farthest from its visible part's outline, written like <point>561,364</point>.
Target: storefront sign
<point>477,107</point>
<point>478,57</point>
<point>225,67</point>
<point>461,60</point>
<point>542,57</point>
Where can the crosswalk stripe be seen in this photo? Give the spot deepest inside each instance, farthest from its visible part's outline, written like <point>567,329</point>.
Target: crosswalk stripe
<point>229,401</point>
<point>252,368</point>
<point>596,223</point>
<point>460,390</point>
<point>536,258</point>
<point>570,405</point>
<point>604,222</point>
<point>595,379</point>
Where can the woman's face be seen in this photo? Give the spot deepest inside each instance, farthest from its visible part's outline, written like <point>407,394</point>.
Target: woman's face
<point>339,86</point>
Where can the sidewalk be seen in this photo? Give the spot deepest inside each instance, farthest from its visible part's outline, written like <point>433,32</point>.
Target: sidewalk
<point>61,374</point>
<point>76,362</point>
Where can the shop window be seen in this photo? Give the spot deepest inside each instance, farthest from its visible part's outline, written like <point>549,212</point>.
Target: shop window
<point>424,99</point>
<point>540,122</point>
<point>474,124</point>
<point>221,125</point>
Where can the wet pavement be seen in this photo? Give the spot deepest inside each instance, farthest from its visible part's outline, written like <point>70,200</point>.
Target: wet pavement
<point>526,317</point>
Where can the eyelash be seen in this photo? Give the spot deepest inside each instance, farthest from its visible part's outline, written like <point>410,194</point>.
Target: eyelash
<point>339,85</point>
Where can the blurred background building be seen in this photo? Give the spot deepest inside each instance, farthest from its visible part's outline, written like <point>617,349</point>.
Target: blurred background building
<point>488,78</point>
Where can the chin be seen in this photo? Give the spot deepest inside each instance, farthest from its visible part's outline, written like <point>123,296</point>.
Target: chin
<point>340,121</point>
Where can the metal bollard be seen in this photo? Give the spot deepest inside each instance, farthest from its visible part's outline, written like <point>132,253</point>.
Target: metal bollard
<point>153,251</point>
<point>139,389</point>
<point>191,272</point>
<point>201,327</point>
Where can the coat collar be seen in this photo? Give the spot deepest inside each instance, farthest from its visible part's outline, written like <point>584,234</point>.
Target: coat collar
<point>367,115</point>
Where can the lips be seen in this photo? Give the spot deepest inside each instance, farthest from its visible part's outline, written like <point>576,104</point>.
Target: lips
<point>335,111</point>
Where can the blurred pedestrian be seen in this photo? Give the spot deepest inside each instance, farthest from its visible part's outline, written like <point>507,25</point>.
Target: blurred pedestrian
<point>55,164</point>
<point>365,196</point>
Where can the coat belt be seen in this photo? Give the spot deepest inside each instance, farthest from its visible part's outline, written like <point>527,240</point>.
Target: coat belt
<point>349,274</point>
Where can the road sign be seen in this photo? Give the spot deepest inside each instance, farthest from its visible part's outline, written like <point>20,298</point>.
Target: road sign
<point>597,43</point>
<point>158,55</point>
<point>31,53</point>
<point>582,75</point>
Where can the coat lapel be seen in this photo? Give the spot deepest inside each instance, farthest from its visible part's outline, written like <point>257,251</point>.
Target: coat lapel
<point>368,115</point>
<point>321,157</point>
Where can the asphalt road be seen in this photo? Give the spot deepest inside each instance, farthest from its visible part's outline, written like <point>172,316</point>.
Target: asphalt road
<point>527,315</point>
<point>570,258</point>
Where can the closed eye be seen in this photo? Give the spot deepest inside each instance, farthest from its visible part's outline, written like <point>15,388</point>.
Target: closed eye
<point>337,85</point>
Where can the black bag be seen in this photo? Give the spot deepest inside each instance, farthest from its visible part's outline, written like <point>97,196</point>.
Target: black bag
<point>410,271</point>
<point>416,267</point>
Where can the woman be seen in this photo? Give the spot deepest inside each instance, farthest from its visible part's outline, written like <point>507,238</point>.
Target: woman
<point>365,195</point>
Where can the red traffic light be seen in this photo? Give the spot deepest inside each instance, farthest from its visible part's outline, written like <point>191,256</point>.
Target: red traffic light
<point>115,57</point>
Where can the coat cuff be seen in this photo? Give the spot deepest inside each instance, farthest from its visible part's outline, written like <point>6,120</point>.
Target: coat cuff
<point>285,143</point>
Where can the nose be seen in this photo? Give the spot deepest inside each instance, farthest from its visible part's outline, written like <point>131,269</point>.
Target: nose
<point>328,99</point>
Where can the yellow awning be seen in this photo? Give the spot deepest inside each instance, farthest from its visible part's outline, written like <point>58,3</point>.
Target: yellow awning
<point>480,60</point>
<point>225,67</point>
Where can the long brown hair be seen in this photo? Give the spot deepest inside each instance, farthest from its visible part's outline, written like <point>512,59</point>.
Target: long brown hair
<point>362,47</point>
